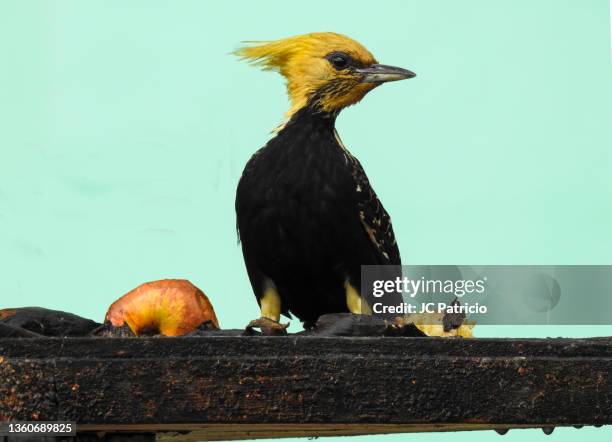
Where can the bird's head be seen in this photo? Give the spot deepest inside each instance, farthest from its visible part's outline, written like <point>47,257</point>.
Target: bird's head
<point>324,70</point>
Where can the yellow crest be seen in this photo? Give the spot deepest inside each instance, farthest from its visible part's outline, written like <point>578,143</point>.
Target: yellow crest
<point>302,61</point>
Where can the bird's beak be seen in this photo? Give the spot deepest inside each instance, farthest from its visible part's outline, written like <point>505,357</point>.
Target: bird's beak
<point>380,73</point>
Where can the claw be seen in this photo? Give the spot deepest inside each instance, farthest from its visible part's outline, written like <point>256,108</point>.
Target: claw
<point>268,327</point>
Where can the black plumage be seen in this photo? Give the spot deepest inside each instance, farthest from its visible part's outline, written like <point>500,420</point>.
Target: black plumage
<point>308,218</point>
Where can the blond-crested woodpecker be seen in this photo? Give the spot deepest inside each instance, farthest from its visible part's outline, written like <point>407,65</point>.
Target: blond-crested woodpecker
<point>307,216</point>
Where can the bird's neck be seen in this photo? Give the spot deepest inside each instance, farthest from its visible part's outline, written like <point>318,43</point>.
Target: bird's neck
<point>313,118</point>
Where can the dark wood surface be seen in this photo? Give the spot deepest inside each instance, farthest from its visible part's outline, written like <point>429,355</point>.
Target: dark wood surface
<point>224,387</point>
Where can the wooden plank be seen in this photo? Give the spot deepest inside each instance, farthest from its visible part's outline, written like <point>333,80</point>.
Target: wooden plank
<point>219,432</point>
<point>225,387</point>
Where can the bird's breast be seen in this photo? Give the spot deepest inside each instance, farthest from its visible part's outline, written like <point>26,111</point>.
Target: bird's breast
<point>295,192</point>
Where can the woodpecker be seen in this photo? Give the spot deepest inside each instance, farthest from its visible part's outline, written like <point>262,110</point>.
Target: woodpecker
<point>307,216</point>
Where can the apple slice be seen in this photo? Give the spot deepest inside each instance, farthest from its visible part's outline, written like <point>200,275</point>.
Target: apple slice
<point>170,307</point>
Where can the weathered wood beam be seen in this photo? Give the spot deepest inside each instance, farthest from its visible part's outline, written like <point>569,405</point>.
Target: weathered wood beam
<point>222,387</point>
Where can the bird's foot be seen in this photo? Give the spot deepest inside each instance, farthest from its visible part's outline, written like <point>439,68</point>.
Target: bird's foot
<point>268,327</point>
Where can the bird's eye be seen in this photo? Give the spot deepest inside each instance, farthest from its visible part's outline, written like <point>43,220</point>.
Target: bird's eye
<point>339,61</point>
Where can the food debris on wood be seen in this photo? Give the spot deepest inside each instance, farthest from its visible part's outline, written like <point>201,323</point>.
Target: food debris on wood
<point>440,324</point>
<point>45,322</point>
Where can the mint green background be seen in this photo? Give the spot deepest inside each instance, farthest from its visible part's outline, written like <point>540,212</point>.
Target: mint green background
<point>124,127</point>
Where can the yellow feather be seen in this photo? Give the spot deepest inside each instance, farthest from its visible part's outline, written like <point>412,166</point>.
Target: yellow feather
<point>301,60</point>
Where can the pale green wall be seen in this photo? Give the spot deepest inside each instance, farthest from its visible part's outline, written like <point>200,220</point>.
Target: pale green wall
<point>124,126</point>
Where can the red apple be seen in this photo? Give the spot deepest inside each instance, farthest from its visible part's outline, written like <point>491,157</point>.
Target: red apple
<point>171,307</point>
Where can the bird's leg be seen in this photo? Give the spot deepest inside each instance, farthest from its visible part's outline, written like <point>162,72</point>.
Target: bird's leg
<point>269,323</point>
<point>354,302</point>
